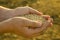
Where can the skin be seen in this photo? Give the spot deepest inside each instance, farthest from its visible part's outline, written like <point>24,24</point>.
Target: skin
<point>19,25</point>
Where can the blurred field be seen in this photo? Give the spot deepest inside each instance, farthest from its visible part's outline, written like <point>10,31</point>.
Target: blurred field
<point>49,7</point>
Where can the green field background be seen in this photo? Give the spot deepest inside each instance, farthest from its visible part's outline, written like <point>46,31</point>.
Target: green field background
<point>49,7</point>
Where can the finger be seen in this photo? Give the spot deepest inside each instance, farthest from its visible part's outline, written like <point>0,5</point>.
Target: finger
<point>51,24</point>
<point>27,22</point>
<point>31,10</point>
<point>52,20</point>
<point>34,24</point>
<point>46,16</point>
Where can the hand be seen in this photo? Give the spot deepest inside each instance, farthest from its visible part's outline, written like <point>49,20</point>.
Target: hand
<point>31,32</point>
<point>26,10</point>
<point>6,13</point>
<point>17,25</point>
<point>47,17</point>
<point>20,25</point>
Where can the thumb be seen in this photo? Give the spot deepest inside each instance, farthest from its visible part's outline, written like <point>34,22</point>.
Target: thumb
<point>34,24</point>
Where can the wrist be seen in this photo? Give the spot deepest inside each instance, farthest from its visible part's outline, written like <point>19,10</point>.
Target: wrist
<point>5,27</point>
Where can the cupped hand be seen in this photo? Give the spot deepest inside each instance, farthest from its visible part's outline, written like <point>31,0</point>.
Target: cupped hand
<point>29,28</point>
<point>23,26</point>
<point>26,10</point>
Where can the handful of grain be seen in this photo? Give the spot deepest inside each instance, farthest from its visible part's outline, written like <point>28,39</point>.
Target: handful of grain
<point>34,17</point>
<point>37,18</point>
